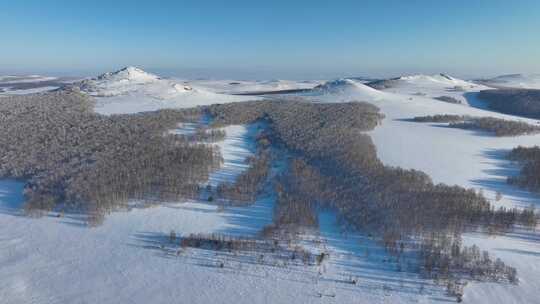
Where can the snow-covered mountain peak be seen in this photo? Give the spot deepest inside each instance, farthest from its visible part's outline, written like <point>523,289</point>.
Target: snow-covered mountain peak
<point>131,90</point>
<point>129,73</point>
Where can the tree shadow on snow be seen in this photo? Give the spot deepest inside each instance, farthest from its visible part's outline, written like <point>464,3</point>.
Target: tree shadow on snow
<point>497,180</point>
<point>360,257</point>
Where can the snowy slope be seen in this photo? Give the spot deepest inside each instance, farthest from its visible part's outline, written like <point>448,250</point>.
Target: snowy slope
<point>132,90</point>
<point>346,89</point>
<point>522,81</point>
<point>430,86</point>
<point>466,158</point>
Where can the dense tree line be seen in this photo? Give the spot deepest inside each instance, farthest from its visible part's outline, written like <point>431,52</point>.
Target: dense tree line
<point>529,175</point>
<point>75,158</point>
<point>522,102</point>
<point>501,127</point>
<point>498,126</point>
<point>441,118</point>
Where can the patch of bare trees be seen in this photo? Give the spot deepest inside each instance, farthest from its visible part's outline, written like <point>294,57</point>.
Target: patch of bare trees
<point>441,118</point>
<point>529,175</point>
<point>265,249</point>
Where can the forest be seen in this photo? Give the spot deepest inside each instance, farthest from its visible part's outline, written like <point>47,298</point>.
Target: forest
<point>522,102</point>
<point>73,158</point>
<point>335,166</point>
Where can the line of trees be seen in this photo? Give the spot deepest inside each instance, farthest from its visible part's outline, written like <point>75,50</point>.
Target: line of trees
<point>448,99</point>
<point>529,175</point>
<point>441,118</point>
<point>498,126</point>
<point>522,102</point>
<point>265,249</point>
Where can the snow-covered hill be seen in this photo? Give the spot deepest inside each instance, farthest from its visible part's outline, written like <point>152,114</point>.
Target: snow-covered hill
<point>346,89</point>
<point>132,80</point>
<point>522,81</point>
<point>434,86</point>
<point>132,90</point>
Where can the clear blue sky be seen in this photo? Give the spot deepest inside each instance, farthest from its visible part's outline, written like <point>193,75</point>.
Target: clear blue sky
<point>287,39</point>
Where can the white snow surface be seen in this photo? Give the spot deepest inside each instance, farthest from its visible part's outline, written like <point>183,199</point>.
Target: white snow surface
<point>132,90</point>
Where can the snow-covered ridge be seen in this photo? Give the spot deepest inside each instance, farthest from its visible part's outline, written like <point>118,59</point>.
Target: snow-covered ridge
<point>437,80</point>
<point>130,73</point>
<point>345,87</point>
<point>433,86</point>
<point>523,81</point>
